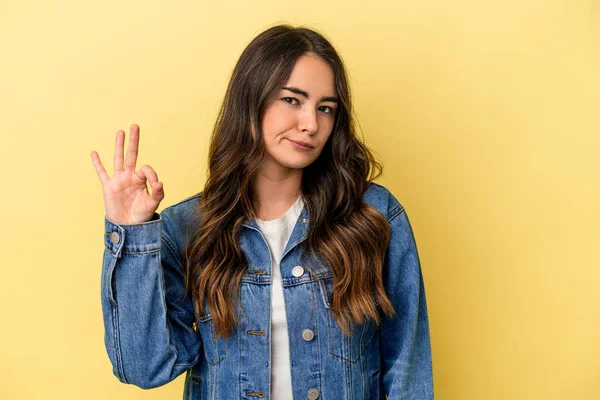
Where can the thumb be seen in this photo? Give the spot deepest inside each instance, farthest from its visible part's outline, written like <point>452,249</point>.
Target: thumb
<point>156,196</point>
<point>157,190</point>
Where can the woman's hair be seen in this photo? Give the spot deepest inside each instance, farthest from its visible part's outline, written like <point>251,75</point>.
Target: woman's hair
<point>349,236</point>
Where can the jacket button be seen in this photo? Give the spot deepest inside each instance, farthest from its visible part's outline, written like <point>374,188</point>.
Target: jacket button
<point>304,220</point>
<point>313,394</point>
<point>114,237</point>
<point>297,271</point>
<point>308,335</point>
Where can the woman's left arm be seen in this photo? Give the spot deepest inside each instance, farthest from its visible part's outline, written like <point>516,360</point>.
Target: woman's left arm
<point>405,342</point>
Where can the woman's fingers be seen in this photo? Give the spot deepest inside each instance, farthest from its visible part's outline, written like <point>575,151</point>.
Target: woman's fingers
<point>99,168</point>
<point>152,202</point>
<point>146,172</point>
<point>132,149</point>
<point>157,194</point>
<point>119,151</point>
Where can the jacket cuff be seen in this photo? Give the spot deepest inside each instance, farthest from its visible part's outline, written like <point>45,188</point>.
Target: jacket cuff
<point>132,238</point>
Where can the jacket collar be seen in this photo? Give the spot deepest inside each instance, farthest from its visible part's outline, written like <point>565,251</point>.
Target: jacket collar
<point>299,233</point>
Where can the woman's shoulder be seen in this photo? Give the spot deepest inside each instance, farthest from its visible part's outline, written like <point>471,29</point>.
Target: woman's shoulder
<point>183,209</point>
<point>180,219</point>
<point>380,197</point>
<point>180,215</point>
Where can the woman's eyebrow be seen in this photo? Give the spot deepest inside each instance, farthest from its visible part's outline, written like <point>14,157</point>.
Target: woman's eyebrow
<point>333,99</point>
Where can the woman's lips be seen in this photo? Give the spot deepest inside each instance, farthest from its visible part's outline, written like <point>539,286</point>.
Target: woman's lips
<point>299,146</point>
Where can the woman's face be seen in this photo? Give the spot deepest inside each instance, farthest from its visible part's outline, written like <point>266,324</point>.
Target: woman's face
<point>303,111</point>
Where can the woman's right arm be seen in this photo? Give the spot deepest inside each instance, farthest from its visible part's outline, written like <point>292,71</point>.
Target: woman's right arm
<point>148,327</point>
<point>147,324</point>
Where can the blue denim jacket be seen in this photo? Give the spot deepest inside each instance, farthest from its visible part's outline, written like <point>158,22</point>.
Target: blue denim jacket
<point>151,337</point>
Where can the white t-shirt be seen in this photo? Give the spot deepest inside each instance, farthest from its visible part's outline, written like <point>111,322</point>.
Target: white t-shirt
<point>277,232</point>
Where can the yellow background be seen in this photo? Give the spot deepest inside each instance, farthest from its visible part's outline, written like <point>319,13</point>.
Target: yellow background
<point>484,113</point>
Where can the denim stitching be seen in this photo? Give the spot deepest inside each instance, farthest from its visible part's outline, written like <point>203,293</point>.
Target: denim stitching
<point>110,279</point>
<point>364,375</point>
<point>318,336</point>
<point>395,212</point>
<point>162,293</point>
<point>116,339</point>
<point>207,319</point>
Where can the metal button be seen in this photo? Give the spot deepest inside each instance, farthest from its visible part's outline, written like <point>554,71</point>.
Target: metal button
<point>308,335</point>
<point>114,237</point>
<point>297,271</point>
<point>304,220</point>
<point>313,394</point>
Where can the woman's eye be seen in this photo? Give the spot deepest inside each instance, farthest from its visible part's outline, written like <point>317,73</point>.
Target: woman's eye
<point>289,98</point>
<point>328,108</point>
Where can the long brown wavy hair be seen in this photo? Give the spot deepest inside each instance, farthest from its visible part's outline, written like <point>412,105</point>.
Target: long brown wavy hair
<point>348,235</point>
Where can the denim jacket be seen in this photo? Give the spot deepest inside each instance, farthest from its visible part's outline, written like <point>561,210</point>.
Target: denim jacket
<point>151,336</point>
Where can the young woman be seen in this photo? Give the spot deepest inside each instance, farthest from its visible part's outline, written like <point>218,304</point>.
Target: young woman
<point>291,274</point>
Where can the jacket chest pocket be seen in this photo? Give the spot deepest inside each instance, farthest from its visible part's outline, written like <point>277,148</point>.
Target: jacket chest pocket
<point>347,347</point>
<point>215,349</point>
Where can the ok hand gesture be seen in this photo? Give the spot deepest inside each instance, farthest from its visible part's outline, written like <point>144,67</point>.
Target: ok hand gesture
<point>126,196</point>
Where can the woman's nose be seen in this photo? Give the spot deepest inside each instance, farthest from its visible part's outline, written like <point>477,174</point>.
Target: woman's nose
<point>308,122</point>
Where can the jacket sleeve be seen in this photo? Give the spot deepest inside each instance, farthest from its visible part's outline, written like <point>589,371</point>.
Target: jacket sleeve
<point>405,342</point>
<point>148,328</point>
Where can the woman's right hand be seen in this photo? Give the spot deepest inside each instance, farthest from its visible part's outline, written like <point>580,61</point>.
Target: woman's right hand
<point>126,196</point>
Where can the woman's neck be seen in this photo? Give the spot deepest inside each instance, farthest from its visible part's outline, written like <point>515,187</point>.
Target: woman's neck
<point>274,193</point>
